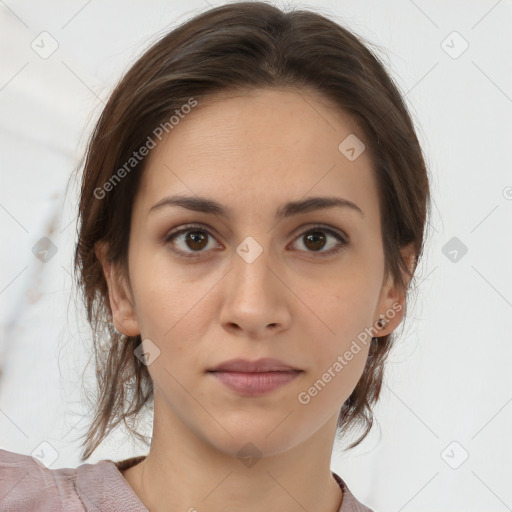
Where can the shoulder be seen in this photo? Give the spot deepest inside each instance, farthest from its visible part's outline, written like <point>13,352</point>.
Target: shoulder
<point>27,485</point>
<point>349,502</point>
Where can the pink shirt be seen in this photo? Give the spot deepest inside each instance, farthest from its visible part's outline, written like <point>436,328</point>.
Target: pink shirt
<point>27,486</point>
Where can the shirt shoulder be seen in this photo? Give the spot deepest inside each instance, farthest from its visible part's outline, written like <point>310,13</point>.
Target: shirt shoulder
<point>349,502</point>
<point>28,485</point>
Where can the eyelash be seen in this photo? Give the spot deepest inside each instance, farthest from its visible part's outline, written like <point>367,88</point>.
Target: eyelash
<point>343,242</point>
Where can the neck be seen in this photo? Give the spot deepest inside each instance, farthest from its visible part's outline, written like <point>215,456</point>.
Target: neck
<point>191,474</point>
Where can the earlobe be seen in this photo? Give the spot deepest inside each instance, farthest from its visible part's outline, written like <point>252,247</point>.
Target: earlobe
<point>120,297</point>
<point>391,312</point>
<point>125,323</point>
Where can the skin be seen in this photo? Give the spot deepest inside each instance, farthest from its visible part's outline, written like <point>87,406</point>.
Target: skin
<point>251,152</point>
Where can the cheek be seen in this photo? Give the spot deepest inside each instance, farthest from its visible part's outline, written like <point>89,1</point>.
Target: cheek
<point>173,313</point>
<point>345,308</point>
<point>160,290</point>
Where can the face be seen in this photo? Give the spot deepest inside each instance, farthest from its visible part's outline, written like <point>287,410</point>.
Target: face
<point>205,288</point>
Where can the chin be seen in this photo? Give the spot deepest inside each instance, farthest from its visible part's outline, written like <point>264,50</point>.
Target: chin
<point>254,438</point>
<point>248,449</point>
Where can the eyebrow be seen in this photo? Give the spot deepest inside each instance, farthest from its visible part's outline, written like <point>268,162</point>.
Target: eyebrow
<point>209,206</point>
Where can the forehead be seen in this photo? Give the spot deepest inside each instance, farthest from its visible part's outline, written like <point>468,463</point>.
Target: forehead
<point>258,148</point>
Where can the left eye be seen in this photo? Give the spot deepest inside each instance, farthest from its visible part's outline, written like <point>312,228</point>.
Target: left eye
<point>316,236</point>
<point>197,239</point>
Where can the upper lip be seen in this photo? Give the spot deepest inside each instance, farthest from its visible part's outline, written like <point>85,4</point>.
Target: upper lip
<point>265,364</point>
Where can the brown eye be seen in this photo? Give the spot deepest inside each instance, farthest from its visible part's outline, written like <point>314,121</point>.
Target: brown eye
<point>189,240</point>
<point>196,239</point>
<point>317,238</point>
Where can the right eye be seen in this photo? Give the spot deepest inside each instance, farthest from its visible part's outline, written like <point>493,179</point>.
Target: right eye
<point>196,238</point>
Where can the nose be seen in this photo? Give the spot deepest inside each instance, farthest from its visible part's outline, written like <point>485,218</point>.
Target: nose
<point>256,300</point>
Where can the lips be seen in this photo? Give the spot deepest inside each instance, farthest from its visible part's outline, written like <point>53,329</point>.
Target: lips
<point>254,378</point>
<point>262,365</point>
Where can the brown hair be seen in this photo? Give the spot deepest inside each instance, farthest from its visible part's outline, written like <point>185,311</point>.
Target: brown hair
<point>242,45</point>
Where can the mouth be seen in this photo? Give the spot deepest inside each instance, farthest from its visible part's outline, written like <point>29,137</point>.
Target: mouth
<point>254,378</point>
<point>254,383</point>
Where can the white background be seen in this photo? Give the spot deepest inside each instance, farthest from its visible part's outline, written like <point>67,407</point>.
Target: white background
<point>449,377</point>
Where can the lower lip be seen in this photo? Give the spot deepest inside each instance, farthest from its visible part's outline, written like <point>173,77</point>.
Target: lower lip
<point>257,383</point>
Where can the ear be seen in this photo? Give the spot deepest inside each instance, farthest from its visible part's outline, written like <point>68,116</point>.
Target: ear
<point>391,306</point>
<point>120,294</point>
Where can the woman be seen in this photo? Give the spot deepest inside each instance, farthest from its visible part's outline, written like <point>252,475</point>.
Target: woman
<point>252,212</point>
